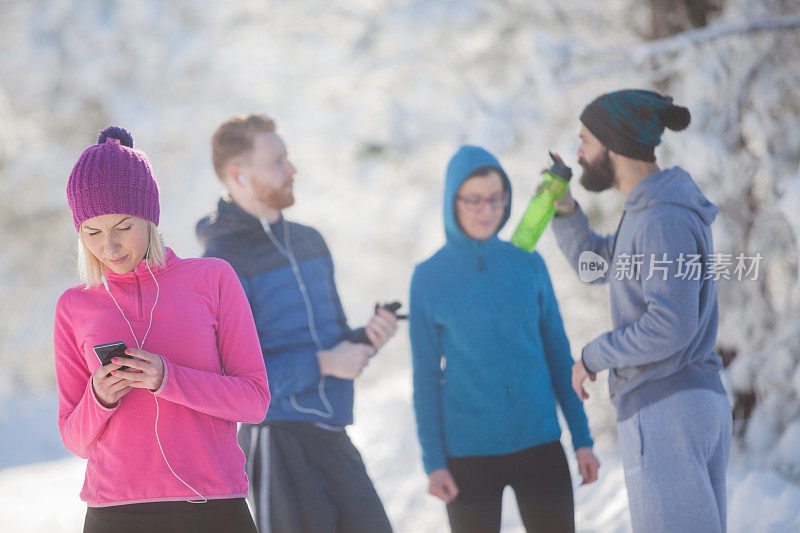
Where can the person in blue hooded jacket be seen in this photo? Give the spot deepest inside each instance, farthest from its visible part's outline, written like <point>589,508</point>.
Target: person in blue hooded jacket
<point>673,414</point>
<point>491,362</point>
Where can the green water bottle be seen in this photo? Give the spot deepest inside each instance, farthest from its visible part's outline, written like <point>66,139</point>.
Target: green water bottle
<point>541,208</point>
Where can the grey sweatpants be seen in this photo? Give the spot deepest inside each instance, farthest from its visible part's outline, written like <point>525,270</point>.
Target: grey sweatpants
<point>675,453</point>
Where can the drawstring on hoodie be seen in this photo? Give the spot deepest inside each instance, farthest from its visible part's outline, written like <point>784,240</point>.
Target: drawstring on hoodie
<point>616,236</point>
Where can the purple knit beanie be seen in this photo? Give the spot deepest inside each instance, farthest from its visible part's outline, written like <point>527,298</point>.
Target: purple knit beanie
<point>112,177</point>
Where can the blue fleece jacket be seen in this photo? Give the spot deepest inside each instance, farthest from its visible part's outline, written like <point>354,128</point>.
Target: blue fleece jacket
<point>490,356</point>
<point>298,391</point>
<point>664,311</point>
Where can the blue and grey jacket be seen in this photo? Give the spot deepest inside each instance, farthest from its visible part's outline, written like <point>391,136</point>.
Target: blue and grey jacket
<point>663,300</point>
<point>491,359</point>
<point>298,391</point>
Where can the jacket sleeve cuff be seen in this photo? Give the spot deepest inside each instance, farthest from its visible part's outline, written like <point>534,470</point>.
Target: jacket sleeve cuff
<point>586,359</point>
<point>581,441</point>
<point>434,463</point>
<point>566,221</point>
<point>164,379</point>
<point>96,401</point>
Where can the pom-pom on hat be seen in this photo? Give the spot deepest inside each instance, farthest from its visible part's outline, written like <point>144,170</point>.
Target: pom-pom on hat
<point>631,122</point>
<point>112,177</point>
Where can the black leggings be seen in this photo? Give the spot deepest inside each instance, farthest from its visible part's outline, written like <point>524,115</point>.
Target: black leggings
<point>541,482</point>
<point>228,515</point>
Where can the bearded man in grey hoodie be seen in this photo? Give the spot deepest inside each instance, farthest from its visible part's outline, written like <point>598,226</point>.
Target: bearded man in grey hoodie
<point>673,415</point>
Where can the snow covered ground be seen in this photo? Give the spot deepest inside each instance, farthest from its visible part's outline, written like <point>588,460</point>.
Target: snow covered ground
<point>42,496</point>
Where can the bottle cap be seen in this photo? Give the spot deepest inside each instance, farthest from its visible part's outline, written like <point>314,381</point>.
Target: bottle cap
<point>559,168</point>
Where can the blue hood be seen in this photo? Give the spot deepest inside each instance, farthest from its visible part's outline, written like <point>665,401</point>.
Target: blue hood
<point>488,311</point>
<point>462,164</point>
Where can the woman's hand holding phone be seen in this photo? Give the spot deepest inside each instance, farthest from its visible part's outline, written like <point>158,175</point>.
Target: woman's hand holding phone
<point>146,370</point>
<point>107,387</point>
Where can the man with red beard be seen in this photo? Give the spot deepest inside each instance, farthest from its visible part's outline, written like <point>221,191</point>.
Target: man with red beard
<point>673,415</point>
<point>305,474</point>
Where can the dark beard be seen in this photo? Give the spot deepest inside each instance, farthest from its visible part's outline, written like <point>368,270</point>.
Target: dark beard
<point>597,176</point>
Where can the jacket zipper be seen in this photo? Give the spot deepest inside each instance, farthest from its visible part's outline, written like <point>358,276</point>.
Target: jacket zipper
<point>139,296</point>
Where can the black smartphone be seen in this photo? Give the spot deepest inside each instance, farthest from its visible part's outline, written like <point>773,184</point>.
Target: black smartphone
<point>105,352</point>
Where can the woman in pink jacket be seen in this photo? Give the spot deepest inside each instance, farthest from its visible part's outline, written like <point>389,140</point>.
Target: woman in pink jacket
<point>158,430</point>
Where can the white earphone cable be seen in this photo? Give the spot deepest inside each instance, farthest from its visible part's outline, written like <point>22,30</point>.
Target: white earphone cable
<point>140,345</point>
<point>288,252</point>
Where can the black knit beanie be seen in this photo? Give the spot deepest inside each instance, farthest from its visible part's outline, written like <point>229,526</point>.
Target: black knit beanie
<point>631,122</point>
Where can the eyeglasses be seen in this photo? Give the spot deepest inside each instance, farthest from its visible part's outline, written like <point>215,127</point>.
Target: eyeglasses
<point>474,203</point>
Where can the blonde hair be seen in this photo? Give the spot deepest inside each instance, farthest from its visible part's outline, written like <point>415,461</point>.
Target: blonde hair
<point>90,269</point>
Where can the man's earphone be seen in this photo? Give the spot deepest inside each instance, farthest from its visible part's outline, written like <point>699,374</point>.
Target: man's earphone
<point>244,180</point>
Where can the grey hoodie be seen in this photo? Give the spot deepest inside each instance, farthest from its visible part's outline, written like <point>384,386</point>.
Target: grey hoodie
<point>664,313</point>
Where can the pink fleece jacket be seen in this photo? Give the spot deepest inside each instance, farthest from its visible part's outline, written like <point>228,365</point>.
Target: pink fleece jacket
<point>214,376</point>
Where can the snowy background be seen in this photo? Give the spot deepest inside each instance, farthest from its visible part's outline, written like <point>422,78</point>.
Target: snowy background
<point>372,97</point>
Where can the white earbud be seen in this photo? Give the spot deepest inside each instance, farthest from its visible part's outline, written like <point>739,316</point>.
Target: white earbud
<point>244,180</point>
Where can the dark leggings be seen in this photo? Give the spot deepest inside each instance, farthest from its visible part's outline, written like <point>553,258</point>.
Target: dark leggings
<point>229,515</point>
<point>541,481</point>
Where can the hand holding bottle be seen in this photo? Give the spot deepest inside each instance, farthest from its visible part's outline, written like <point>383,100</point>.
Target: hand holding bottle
<point>566,205</point>
<point>542,208</point>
